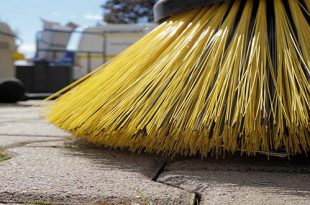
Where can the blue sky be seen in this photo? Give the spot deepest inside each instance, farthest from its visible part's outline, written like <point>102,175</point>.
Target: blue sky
<point>24,16</point>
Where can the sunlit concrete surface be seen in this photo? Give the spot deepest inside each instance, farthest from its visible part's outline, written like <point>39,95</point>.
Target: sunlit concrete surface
<point>48,166</point>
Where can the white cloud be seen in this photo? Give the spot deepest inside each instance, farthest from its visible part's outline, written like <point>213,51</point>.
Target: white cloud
<point>28,49</point>
<point>90,16</point>
<point>55,13</point>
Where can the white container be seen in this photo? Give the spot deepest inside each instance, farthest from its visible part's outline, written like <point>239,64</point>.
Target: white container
<point>105,42</point>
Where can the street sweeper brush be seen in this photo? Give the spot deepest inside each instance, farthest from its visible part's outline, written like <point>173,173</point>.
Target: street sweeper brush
<point>215,76</point>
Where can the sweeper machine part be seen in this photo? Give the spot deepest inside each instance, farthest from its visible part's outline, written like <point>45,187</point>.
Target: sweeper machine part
<point>213,77</point>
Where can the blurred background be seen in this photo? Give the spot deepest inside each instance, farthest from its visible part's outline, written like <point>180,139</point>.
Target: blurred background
<point>46,45</point>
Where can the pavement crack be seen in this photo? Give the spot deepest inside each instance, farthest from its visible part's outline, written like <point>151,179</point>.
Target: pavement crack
<point>197,199</point>
<point>159,171</point>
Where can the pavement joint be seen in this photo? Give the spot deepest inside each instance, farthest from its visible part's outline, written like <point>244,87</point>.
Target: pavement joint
<point>197,198</point>
<point>22,144</point>
<point>20,120</point>
<point>159,171</point>
<point>34,135</point>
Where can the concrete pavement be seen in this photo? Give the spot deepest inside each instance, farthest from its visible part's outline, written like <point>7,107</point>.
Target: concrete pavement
<point>48,166</point>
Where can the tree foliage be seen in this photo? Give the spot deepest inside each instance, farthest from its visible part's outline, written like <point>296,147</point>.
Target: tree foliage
<point>128,11</point>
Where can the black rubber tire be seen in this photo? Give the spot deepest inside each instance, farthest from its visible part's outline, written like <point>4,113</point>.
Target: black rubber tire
<point>11,90</point>
<point>167,8</point>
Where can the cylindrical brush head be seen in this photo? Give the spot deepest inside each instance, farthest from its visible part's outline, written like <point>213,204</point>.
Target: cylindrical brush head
<point>166,8</point>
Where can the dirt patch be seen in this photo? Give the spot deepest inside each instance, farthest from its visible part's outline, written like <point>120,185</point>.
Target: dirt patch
<point>3,155</point>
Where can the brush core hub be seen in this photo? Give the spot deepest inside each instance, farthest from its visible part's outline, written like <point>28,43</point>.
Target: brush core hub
<point>166,8</point>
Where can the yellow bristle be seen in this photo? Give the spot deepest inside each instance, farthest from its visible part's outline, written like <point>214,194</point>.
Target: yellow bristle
<point>201,82</point>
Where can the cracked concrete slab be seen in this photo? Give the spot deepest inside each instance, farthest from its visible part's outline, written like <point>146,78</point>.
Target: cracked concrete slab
<point>242,181</point>
<point>45,169</point>
<point>61,175</point>
<point>48,170</point>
